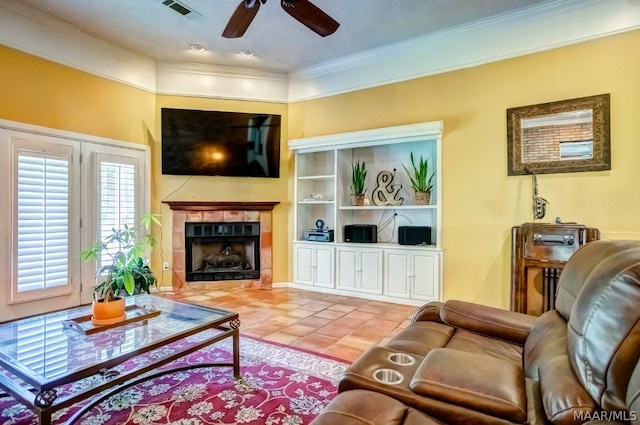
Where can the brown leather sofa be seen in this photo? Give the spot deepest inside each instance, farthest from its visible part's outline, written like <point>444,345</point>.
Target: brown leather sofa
<point>464,363</point>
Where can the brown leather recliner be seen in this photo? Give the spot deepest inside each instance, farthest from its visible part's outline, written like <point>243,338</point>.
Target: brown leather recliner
<point>469,363</point>
<point>362,407</point>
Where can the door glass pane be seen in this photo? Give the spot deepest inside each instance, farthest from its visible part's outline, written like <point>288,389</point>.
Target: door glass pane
<point>117,202</point>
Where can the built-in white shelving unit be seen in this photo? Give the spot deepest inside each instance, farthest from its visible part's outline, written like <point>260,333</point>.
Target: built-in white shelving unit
<point>384,270</point>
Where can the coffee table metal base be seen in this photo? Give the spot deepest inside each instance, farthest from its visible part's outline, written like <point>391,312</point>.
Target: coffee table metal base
<point>44,406</point>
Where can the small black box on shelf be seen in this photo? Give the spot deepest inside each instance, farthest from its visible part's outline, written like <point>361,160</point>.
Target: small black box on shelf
<point>414,235</point>
<point>361,233</point>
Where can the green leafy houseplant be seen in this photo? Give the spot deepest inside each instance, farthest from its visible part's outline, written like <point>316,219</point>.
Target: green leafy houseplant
<point>418,175</point>
<point>128,272</point>
<point>358,176</point>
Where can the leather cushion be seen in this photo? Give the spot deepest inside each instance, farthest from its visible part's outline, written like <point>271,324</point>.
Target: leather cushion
<point>603,333</point>
<point>547,340</point>
<point>562,395</point>
<point>420,337</point>
<point>493,322</point>
<point>578,269</point>
<point>633,396</point>
<point>472,343</point>
<point>360,407</point>
<point>474,381</point>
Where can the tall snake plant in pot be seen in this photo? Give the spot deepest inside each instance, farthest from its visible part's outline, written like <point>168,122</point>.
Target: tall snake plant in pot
<point>421,181</point>
<point>128,271</point>
<point>358,177</point>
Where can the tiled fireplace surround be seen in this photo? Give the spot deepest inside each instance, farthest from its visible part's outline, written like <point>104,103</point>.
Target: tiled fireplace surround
<point>205,211</point>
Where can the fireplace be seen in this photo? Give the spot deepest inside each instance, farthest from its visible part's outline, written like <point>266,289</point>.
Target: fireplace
<point>211,232</point>
<point>222,251</point>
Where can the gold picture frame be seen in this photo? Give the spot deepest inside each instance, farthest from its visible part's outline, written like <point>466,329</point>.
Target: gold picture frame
<point>565,136</point>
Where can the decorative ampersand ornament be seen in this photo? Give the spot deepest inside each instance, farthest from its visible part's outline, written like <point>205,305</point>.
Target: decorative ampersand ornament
<point>386,193</point>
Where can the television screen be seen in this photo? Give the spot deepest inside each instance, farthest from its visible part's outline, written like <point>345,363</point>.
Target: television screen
<point>215,143</point>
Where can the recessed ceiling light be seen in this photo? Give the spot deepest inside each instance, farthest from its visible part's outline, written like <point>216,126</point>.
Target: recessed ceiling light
<point>247,53</point>
<point>198,48</point>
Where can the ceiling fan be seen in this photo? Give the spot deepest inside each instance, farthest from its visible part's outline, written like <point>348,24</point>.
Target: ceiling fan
<point>304,11</point>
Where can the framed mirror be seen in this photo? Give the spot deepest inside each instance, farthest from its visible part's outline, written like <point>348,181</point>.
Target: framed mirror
<point>566,136</point>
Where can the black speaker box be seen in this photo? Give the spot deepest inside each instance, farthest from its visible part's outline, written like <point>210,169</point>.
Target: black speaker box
<point>414,235</point>
<point>362,233</point>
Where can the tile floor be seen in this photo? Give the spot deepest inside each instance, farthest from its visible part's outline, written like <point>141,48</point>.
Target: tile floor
<point>335,325</point>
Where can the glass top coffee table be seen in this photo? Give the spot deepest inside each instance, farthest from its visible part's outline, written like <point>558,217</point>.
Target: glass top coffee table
<point>39,354</point>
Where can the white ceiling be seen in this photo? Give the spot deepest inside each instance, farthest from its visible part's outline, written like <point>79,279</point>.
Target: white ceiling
<point>280,42</point>
<point>144,44</point>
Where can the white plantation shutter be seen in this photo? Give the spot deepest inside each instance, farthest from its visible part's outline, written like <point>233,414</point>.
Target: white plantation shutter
<point>43,186</point>
<point>117,198</point>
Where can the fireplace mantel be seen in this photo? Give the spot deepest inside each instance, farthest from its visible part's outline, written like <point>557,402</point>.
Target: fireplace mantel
<point>214,212</point>
<point>222,205</point>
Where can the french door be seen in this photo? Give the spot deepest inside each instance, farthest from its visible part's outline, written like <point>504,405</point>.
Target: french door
<point>62,192</point>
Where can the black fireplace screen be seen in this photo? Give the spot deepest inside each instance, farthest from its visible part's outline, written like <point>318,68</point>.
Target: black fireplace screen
<point>222,251</point>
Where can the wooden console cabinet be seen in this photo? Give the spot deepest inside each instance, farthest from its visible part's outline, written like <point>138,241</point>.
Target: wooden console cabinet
<point>539,252</point>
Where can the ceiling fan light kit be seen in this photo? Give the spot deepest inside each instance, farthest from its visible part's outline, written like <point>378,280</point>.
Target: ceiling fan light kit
<point>303,11</point>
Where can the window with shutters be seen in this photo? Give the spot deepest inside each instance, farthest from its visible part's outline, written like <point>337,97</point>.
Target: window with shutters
<point>43,220</point>
<point>117,195</point>
<point>60,205</point>
<point>42,229</point>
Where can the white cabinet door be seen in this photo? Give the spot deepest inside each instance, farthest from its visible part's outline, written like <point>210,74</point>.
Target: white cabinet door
<point>303,264</point>
<point>370,267</point>
<point>347,265</point>
<point>425,276</point>
<point>397,266</point>
<point>323,266</point>
<point>412,274</point>
<point>359,269</point>
<point>313,264</point>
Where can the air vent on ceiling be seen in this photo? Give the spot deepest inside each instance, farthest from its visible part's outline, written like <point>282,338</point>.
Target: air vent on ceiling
<point>177,6</point>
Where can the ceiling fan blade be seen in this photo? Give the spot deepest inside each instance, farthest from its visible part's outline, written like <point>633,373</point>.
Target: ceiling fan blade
<point>241,18</point>
<point>310,16</point>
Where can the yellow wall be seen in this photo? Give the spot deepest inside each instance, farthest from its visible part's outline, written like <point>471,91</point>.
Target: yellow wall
<point>37,91</point>
<point>480,202</point>
<point>40,92</point>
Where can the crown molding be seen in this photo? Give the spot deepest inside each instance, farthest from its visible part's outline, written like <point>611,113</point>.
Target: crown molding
<point>215,81</point>
<point>220,70</point>
<point>536,29</point>
<point>372,137</point>
<point>551,25</point>
<point>29,30</point>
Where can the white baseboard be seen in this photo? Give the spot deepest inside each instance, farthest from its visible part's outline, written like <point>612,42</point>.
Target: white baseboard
<point>373,297</point>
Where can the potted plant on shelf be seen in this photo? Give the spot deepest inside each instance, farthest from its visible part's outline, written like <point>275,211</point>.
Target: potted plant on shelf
<point>127,274</point>
<point>358,176</point>
<point>421,184</point>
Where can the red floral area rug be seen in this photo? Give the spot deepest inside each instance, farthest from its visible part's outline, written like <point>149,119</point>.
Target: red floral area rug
<point>279,386</point>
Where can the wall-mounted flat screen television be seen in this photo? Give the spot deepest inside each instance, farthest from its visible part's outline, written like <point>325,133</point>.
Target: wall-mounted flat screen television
<point>215,143</point>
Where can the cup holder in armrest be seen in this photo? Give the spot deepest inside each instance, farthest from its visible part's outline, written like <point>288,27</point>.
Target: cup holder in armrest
<point>388,376</point>
<point>401,359</point>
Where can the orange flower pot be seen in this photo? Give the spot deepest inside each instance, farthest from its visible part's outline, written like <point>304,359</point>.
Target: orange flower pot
<point>107,313</point>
